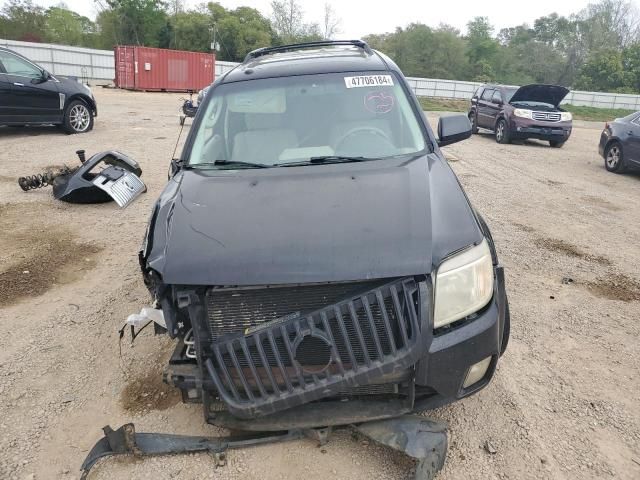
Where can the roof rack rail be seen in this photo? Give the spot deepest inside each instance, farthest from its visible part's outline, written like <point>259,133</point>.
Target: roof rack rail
<point>299,46</point>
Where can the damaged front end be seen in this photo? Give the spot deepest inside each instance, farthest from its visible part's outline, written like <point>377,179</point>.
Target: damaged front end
<point>280,357</point>
<point>282,363</point>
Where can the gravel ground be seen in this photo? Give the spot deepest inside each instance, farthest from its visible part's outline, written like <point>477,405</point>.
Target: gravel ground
<point>565,402</point>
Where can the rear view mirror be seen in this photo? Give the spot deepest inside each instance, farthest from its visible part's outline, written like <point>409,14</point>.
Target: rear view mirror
<point>452,129</point>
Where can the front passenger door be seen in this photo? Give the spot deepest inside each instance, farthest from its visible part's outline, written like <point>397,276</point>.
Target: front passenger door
<point>30,99</point>
<point>495,107</point>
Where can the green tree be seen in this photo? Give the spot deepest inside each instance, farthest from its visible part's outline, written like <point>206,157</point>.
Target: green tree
<point>137,22</point>
<point>603,71</point>
<point>482,49</point>
<point>423,52</point>
<point>189,31</point>
<point>22,20</point>
<point>631,67</point>
<point>288,22</point>
<point>68,28</point>
<point>239,31</point>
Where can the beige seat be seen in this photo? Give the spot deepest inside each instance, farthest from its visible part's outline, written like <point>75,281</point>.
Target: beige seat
<point>264,140</point>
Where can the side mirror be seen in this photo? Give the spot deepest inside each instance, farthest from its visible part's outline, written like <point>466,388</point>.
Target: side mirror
<point>44,76</point>
<point>452,129</point>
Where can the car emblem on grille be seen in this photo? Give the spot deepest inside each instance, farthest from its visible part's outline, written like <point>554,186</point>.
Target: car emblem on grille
<point>313,354</point>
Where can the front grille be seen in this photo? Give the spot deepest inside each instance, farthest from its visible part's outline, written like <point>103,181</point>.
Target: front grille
<point>233,310</point>
<point>547,116</point>
<point>273,348</point>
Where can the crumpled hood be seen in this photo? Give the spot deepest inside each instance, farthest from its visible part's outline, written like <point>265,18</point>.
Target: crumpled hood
<point>552,94</point>
<point>310,224</point>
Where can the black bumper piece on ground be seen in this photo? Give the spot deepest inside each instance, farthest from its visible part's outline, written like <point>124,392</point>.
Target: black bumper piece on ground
<point>421,438</point>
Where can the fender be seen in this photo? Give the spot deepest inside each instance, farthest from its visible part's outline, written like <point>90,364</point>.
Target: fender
<point>91,103</point>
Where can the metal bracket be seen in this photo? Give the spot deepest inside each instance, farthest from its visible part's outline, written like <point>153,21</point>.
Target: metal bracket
<point>320,435</point>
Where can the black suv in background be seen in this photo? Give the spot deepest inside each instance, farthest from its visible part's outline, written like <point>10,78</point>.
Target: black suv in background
<point>314,256</point>
<point>29,95</point>
<point>513,113</point>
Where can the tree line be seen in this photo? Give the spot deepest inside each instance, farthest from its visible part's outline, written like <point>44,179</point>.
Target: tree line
<point>597,48</point>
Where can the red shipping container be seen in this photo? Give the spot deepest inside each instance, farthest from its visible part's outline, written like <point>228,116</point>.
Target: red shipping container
<point>158,69</point>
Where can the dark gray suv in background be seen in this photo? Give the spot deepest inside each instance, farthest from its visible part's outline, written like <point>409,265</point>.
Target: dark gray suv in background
<point>314,256</point>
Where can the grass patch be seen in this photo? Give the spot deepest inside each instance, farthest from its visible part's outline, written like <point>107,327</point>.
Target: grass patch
<point>579,113</point>
<point>443,104</point>
<point>595,114</point>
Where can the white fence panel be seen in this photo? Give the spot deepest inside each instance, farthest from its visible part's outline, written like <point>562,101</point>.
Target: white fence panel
<point>223,67</point>
<point>98,67</point>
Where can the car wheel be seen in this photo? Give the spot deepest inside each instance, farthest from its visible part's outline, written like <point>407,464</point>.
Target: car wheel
<point>613,158</point>
<point>502,131</point>
<point>78,118</point>
<point>556,144</point>
<point>473,118</point>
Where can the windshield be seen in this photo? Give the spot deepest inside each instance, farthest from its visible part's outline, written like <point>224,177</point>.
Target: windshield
<point>293,120</point>
<point>509,93</point>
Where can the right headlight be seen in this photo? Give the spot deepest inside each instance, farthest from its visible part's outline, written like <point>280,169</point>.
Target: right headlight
<point>464,285</point>
<point>523,113</point>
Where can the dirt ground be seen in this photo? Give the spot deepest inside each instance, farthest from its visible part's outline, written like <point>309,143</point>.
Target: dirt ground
<point>565,402</point>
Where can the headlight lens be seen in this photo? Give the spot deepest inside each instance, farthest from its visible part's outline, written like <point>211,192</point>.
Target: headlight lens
<point>523,113</point>
<point>566,116</point>
<point>464,284</point>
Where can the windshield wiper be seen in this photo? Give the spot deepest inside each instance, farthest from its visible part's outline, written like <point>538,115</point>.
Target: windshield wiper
<point>338,159</point>
<point>228,163</point>
<point>326,159</point>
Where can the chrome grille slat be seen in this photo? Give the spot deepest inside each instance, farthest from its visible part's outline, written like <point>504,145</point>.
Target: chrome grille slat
<point>547,116</point>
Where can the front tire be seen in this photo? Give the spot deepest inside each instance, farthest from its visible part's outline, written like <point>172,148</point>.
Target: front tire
<point>473,118</point>
<point>614,158</point>
<point>78,118</point>
<point>502,132</point>
<point>556,144</point>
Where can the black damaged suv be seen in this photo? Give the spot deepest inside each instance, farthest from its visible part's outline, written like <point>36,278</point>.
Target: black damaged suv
<point>313,253</point>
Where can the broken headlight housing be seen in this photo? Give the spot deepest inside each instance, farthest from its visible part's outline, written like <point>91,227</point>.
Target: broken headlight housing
<point>464,284</point>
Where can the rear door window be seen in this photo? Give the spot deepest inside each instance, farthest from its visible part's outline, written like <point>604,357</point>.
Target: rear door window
<point>487,94</point>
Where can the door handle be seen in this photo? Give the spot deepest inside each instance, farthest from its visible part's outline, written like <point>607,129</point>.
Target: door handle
<point>18,84</point>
